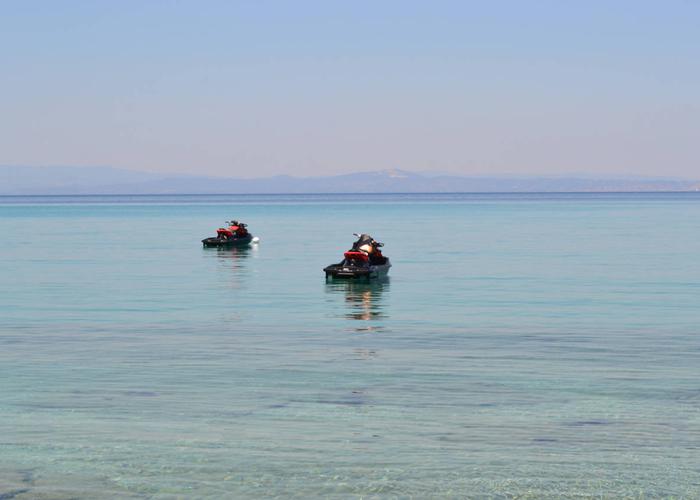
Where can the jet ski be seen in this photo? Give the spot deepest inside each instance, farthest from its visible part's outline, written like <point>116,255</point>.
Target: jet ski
<point>234,235</point>
<point>363,260</point>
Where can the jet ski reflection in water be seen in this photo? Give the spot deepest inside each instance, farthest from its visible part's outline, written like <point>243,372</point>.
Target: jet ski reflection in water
<point>363,260</point>
<point>234,235</point>
<point>363,300</point>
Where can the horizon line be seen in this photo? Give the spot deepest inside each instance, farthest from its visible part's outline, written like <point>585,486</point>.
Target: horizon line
<point>391,193</point>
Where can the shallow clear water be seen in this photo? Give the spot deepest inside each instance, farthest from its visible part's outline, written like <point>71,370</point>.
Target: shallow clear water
<point>529,346</point>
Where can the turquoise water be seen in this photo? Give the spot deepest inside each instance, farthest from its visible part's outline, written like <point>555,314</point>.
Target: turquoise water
<point>524,346</point>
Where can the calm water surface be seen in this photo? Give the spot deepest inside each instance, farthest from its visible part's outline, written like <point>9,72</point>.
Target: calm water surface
<point>524,346</point>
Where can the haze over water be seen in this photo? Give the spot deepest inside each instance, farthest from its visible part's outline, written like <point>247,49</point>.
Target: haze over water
<point>529,346</point>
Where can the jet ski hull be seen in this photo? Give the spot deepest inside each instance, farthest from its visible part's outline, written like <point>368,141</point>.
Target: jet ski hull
<point>349,272</point>
<point>227,242</point>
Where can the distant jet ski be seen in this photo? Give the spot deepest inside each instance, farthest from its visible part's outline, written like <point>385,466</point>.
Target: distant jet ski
<point>234,235</point>
<point>364,259</point>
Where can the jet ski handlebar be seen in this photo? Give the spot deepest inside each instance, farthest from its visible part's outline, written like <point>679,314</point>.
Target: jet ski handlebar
<point>372,240</point>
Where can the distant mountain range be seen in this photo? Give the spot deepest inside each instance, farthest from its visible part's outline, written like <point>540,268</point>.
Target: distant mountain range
<point>19,180</point>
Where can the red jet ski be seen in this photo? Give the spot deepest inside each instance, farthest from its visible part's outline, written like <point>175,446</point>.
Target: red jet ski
<point>234,235</point>
<point>363,260</point>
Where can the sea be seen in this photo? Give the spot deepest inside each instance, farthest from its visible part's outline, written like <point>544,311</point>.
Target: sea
<point>523,346</point>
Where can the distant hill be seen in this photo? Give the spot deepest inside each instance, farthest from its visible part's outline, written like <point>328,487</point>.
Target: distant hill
<point>18,180</point>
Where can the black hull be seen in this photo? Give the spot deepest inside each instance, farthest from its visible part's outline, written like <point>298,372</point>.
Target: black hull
<point>215,242</point>
<point>350,272</point>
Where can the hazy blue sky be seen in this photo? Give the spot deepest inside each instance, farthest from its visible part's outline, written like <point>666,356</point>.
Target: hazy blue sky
<point>297,87</point>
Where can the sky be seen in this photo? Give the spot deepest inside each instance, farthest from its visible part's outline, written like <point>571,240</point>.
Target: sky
<point>259,88</point>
